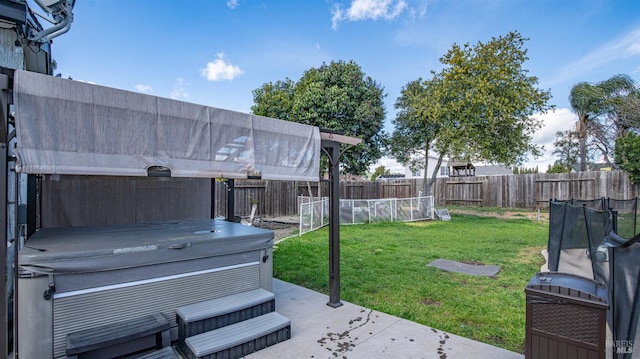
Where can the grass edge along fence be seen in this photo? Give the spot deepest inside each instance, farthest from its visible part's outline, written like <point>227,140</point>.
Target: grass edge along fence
<point>314,211</point>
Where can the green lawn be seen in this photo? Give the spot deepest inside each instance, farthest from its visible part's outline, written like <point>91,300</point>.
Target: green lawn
<point>384,267</point>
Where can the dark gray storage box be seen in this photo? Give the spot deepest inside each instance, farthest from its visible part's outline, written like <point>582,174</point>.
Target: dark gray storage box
<point>566,317</point>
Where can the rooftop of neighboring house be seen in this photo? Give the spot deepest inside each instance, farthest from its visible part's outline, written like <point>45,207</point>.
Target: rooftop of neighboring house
<point>460,170</point>
<point>495,170</point>
<point>390,176</point>
<point>593,167</point>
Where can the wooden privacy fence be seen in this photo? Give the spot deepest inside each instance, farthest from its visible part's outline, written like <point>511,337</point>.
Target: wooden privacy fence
<point>91,200</point>
<point>532,190</point>
<point>279,198</point>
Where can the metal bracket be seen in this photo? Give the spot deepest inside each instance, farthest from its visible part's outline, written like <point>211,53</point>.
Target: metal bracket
<point>48,294</point>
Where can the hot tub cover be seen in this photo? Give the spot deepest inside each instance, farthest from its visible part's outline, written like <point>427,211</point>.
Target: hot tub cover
<point>71,127</point>
<point>67,250</point>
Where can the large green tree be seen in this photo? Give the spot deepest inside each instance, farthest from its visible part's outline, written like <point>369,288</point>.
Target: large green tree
<point>606,111</point>
<point>336,96</point>
<point>480,106</point>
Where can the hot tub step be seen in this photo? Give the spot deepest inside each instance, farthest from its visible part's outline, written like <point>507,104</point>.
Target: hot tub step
<point>205,316</point>
<point>240,339</point>
<point>166,353</point>
<point>115,339</point>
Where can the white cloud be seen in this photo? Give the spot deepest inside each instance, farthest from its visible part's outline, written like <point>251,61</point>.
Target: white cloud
<point>559,120</point>
<point>418,12</point>
<point>368,10</point>
<point>232,4</point>
<point>390,164</point>
<point>179,90</point>
<point>221,69</point>
<point>143,88</point>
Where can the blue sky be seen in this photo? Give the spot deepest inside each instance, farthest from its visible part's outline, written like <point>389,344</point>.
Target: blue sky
<point>216,52</point>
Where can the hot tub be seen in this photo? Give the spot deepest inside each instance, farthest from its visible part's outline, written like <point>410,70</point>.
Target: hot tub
<point>83,277</point>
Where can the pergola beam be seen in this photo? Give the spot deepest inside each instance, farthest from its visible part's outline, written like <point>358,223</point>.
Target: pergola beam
<point>335,137</point>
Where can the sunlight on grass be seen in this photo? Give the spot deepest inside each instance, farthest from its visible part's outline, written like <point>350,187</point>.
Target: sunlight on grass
<point>384,267</point>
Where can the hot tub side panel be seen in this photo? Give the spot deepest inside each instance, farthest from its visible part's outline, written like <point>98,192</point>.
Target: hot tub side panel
<point>35,316</point>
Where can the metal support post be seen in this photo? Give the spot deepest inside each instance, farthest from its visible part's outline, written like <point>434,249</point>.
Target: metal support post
<point>230,200</point>
<point>213,198</point>
<point>32,204</point>
<point>333,151</point>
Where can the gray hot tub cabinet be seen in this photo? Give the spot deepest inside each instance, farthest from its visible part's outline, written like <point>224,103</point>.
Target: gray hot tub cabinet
<point>84,277</point>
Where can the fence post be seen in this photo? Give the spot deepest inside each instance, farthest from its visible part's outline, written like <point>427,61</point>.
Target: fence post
<point>411,208</point>
<point>635,217</point>
<point>394,207</point>
<point>300,221</point>
<point>311,207</point>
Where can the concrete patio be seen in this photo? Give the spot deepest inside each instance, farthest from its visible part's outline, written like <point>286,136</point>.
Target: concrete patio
<point>351,331</point>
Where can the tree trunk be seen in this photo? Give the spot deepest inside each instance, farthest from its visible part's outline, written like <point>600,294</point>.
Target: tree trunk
<point>429,183</point>
<point>309,190</point>
<point>581,129</point>
<point>583,154</point>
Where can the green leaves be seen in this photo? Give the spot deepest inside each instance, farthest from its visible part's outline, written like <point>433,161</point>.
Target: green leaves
<point>488,93</point>
<point>628,155</point>
<point>274,100</point>
<point>567,149</point>
<point>480,106</point>
<point>337,96</point>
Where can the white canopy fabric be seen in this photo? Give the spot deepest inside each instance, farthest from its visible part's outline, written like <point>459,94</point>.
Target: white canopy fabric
<point>71,127</point>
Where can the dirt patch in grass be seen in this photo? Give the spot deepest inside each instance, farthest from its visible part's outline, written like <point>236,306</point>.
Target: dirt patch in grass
<point>533,215</point>
<point>427,301</point>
